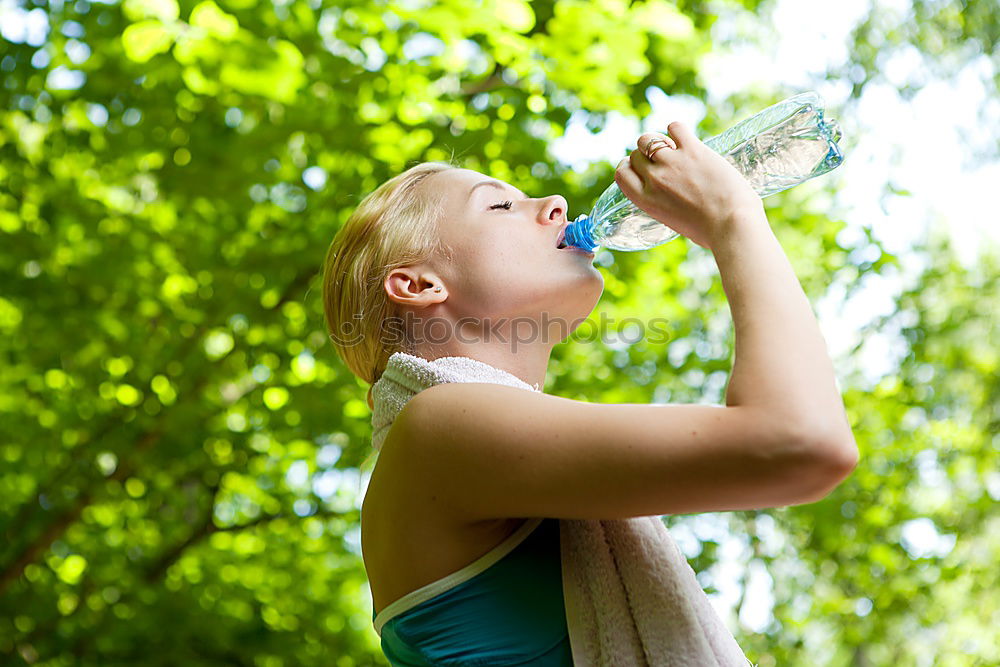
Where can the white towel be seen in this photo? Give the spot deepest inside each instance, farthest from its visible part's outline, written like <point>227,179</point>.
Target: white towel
<point>405,375</point>
<point>631,597</point>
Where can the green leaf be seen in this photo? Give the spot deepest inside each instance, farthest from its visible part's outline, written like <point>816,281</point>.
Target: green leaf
<point>274,72</point>
<point>164,10</point>
<point>207,15</point>
<point>145,39</point>
<point>515,14</point>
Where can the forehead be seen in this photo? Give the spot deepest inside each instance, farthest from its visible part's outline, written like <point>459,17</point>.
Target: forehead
<point>454,181</point>
<point>455,191</point>
<point>448,189</point>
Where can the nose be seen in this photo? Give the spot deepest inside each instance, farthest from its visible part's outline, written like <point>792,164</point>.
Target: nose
<point>554,210</point>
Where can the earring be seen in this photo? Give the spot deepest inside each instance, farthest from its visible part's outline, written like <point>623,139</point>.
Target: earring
<point>438,288</point>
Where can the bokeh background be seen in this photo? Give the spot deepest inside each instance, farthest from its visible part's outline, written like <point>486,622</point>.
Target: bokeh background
<point>183,456</point>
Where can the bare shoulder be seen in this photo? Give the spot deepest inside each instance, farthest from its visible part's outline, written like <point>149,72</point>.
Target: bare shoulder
<point>401,522</point>
<point>487,451</point>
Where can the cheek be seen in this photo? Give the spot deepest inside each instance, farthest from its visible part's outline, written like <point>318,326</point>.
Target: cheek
<point>497,274</point>
<point>496,253</point>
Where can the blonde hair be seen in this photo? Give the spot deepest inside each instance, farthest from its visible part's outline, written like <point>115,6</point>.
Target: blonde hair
<point>391,227</point>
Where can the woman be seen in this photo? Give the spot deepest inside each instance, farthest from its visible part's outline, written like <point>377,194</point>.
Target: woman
<point>463,465</point>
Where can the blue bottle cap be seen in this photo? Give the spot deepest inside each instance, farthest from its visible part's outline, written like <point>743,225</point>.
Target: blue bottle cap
<point>578,234</point>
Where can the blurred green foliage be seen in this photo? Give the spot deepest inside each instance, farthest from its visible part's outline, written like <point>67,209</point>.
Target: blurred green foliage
<point>180,450</point>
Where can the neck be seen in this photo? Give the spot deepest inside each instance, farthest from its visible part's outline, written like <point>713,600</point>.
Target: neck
<point>527,361</point>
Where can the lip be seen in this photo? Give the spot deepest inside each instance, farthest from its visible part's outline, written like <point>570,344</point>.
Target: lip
<point>571,248</point>
<point>561,236</point>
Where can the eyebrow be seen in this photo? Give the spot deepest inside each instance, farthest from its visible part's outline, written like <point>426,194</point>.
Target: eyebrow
<point>494,184</point>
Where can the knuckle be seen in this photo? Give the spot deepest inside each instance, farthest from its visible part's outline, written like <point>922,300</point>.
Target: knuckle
<point>645,139</point>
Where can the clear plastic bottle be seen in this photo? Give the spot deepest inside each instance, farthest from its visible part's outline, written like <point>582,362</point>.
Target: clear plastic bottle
<point>781,146</point>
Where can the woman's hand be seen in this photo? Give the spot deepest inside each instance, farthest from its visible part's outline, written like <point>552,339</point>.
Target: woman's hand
<point>687,186</point>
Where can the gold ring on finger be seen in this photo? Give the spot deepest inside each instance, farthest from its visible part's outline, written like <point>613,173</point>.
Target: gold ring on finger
<point>654,146</point>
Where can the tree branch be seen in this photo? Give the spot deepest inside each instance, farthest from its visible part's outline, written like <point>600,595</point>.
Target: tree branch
<point>207,528</point>
<point>64,519</point>
<point>494,80</point>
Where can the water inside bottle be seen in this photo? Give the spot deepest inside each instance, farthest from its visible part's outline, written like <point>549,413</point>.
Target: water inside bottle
<point>788,153</point>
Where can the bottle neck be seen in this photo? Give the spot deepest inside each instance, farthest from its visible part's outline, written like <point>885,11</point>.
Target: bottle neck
<point>579,233</point>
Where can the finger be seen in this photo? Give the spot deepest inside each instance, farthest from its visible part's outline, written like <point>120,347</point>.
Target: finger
<point>681,133</point>
<point>628,180</point>
<point>645,140</point>
<point>642,165</point>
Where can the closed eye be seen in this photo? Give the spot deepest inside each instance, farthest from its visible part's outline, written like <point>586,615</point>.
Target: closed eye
<point>504,205</point>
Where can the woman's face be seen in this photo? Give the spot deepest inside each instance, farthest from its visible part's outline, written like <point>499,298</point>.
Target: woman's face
<point>504,259</point>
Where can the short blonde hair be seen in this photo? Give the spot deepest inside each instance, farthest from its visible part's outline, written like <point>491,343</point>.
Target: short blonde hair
<point>391,227</point>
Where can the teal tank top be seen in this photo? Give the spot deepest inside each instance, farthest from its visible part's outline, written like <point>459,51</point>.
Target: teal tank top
<point>505,608</point>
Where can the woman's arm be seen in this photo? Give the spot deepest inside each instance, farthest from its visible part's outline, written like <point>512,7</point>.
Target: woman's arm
<point>781,364</point>
<point>782,367</point>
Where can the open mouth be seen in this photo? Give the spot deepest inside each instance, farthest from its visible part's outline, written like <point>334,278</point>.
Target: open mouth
<point>561,239</point>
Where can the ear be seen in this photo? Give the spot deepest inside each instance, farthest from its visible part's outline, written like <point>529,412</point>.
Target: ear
<point>410,286</point>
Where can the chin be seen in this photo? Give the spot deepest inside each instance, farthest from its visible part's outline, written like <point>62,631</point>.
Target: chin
<point>575,307</point>
<point>594,286</point>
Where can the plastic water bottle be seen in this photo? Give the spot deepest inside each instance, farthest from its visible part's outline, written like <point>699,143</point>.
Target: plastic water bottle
<point>783,145</point>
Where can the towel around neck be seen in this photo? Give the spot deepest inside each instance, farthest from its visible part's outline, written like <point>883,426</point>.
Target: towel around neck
<point>406,375</point>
